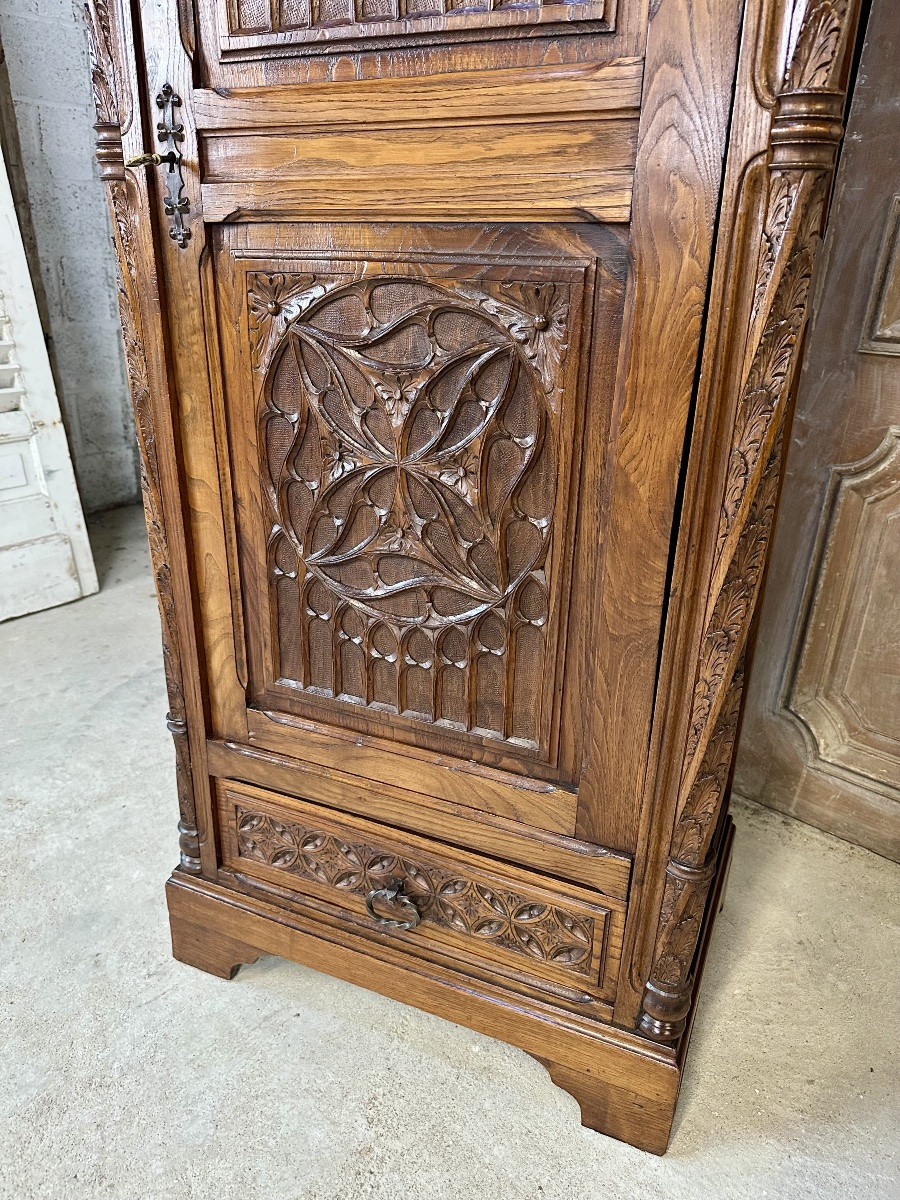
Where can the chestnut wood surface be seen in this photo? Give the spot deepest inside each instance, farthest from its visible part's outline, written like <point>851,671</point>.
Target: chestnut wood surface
<point>461,346</point>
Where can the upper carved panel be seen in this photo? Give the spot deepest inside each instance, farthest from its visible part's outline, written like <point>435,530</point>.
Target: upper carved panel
<point>407,438</point>
<point>103,73</point>
<point>326,20</point>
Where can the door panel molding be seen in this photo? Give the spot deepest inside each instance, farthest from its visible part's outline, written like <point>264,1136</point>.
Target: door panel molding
<point>845,686</point>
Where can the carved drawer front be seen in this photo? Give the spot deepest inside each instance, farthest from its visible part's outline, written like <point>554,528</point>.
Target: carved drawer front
<point>512,922</point>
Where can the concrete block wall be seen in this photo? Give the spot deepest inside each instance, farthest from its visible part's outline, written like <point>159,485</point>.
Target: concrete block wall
<point>46,60</point>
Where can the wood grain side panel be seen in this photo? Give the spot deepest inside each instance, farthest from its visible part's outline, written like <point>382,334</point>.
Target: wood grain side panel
<point>691,53</point>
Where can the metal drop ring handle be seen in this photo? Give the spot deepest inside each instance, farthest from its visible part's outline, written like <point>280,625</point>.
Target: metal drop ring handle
<point>392,894</point>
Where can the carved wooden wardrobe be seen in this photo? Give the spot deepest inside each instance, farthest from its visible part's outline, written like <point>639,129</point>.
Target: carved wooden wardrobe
<point>461,339</point>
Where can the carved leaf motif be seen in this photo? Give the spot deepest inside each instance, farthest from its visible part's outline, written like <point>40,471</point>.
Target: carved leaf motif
<point>530,943</point>
<point>343,879</point>
<point>567,954</point>
<point>492,900</point>
<point>782,192</point>
<point>380,864</point>
<point>489,928</point>
<point>103,78</point>
<point>572,927</point>
<point>417,877</point>
<point>766,388</point>
<point>730,617</point>
<point>273,300</point>
<point>699,812</point>
<point>817,45</point>
<point>680,922</point>
<point>537,316</point>
<point>530,912</point>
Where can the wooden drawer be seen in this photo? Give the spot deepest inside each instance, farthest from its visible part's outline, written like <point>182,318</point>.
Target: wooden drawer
<point>560,938</point>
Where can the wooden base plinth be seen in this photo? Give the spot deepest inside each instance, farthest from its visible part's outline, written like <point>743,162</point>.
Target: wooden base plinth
<point>206,947</point>
<point>627,1086</point>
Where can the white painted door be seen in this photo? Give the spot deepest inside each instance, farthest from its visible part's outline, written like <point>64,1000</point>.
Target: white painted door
<point>45,555</point>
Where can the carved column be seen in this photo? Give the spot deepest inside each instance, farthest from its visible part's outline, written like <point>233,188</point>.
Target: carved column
<point>114,104</point>
<point>804,133</point>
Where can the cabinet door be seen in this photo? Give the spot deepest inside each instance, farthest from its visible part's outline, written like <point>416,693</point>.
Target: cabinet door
<point>431,370</point>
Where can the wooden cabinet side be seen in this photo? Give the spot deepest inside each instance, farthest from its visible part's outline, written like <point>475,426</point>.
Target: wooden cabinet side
<point>114,91</point>
<point>786,130</point>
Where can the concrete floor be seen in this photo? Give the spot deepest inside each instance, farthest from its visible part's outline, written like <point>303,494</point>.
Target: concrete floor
<point>126,1074</point>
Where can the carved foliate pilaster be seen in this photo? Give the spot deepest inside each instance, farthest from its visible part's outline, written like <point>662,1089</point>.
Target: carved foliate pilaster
<point>805,131</point>
<point>113,104</point>
<point>104,86</point>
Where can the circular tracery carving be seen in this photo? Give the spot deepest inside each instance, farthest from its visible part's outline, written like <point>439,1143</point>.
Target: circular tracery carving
<point>409,447</point>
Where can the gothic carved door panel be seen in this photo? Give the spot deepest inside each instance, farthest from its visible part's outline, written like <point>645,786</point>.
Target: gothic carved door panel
<point>407,413</point>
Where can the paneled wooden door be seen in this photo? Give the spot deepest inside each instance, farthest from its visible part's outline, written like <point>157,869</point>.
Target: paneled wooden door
<point>395,310</point>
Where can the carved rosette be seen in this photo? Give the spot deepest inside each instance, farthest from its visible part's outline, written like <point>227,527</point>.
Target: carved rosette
<point>805,131</point>
<point>111,103</point>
